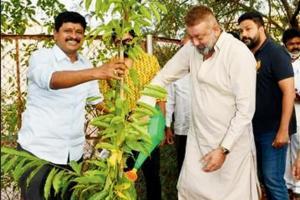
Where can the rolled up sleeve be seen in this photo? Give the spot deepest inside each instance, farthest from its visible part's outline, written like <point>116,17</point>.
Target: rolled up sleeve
<point>40,69</point>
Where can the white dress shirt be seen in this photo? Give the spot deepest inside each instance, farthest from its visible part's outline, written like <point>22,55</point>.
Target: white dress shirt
<point>179,103</point>
<point>53,122</point>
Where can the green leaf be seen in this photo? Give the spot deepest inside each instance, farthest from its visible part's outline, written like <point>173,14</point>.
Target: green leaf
<point>99,124</point>
<point>76,167</point>
<point>10,164</point>
<point>32,174</point>
<point>155,12</point>
<point>66,180</point>
<point>109,134</point>
<point>86,189</point>
<point>99,195</point>
<point>134,145</point>
<point>99,8</point>
<point>161,7</point>
<point>86,180</point>
<point>91,99</point>
<point>18,169</point>
<point>95,173</point>
<point>123,186</point>
<point>98,163</point>
<point>145,12</point>
<point>11,151</point>
<point>117,120</point>
<point>57,181</point>
<point>18,172</point>
<point>153,93</point>
<point>121,195</point>
<point>139,129</point>
<point>148,107</point>
<point>156,88</point>
<point>4,159</point>
<point>105,145</point>
<point>88,4</point>
<point>48,183</point>
<point>127,89</point>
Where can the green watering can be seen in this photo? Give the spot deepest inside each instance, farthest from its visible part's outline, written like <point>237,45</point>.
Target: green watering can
<point>156,129</point>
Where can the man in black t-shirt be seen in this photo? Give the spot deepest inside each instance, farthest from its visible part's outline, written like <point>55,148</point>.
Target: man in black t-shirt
<point>273,120</point>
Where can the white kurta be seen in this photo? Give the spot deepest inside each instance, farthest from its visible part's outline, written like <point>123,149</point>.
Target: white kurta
<point>223,104</point>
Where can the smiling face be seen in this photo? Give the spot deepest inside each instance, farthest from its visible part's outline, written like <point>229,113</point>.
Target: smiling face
<point>203,36</point>
<point>69,37</point>
<point>250,33</point>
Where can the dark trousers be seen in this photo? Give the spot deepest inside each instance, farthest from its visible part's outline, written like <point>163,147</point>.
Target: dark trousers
<point>150,170</point>
<point>180,143</point>
<point>35,189</point>
<point>271,166</point>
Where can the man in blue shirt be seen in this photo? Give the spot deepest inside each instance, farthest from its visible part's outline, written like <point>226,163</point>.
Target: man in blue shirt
<point>272,121</point>
<point>59,82</point>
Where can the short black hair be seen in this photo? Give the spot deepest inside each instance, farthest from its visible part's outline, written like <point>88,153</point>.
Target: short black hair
<point>69,16</point>
<point>254,16</point>
<point>290,34</point>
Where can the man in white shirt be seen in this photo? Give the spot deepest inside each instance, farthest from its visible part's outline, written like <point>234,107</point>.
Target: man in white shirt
<point>291,40</point>
<point>219,162</point>
<point>178,104</point>
<point>59,82</point>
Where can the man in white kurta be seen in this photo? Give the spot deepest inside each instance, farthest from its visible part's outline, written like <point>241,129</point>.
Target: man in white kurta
<point>291,40</point>
<point>223,103</point>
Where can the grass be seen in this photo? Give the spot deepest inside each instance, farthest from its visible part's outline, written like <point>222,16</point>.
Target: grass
<point>168,175</point>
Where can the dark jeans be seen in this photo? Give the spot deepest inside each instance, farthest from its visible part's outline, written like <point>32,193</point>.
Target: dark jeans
<point>150,170</point>
<point>35,189</point>
<point>271,166</point>
<point>180,143</point>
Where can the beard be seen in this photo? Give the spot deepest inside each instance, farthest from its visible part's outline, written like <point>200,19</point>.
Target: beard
<point>295,54</point>
<point>206,49</point>
<point>251,43</point>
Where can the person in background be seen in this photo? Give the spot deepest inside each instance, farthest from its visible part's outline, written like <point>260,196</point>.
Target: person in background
<point>219,162</point>
<point>59,82</point>
<point>273,120</point>
<point>291,41</point>
<point>178,110</point>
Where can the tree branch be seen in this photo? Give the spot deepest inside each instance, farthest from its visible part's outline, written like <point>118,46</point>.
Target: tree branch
<point>293,20</point>
<point>265,16</point>
<point>287,8</point>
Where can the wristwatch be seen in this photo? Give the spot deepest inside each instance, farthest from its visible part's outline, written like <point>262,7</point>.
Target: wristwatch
<point>224,150</point>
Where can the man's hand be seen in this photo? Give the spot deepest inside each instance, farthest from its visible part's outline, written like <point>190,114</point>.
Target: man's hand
<point>213,160</point>
<point>169,139</point>
<point>281,139</point>
<point>296,167</point>
<point>112,70</point>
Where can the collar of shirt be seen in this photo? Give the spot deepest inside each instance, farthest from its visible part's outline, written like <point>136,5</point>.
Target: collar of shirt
<point>264,44</point>
<point>220,41</point>
<point>60,55</point>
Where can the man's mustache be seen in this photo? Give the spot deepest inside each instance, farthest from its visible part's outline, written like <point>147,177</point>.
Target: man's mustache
<point>73,39</point>
<point>245,38</point>
<point>295,50</point>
